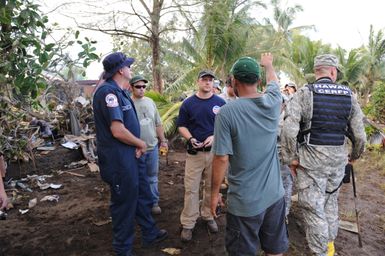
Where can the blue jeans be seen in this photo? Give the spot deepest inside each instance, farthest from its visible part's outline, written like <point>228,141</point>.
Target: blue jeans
<point>149,163</point>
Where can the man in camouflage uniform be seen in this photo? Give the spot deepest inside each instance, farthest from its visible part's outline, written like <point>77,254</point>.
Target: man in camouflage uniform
<point>323,112</point>
<point>286,174</point>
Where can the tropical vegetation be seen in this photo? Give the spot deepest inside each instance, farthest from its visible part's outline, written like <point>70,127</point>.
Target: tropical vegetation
<point>173,41</point>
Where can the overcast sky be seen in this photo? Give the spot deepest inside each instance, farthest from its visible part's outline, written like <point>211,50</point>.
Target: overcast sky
<point>341,22</point>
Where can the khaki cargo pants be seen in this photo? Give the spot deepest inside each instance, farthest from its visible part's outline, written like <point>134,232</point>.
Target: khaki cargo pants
<point>197,167</point>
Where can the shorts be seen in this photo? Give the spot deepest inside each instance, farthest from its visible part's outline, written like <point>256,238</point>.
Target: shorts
<point>268,229</point>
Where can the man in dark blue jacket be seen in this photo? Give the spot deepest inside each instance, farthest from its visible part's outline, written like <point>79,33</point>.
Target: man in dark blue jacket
<point>119,147</point>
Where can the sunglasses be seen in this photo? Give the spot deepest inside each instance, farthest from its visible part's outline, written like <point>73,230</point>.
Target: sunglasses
<point>140,86</point>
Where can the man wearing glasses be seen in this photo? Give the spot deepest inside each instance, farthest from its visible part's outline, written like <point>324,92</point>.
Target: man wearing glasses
<point>151,130</point>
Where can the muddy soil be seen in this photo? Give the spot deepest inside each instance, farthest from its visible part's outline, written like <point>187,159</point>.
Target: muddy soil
<point>79,223</point>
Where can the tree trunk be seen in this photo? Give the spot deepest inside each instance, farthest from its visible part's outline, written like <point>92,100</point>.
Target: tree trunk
<point>155,45</point>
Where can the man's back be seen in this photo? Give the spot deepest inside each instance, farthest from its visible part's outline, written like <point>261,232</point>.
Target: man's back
<point>318,156</point>
<point>246,130</point>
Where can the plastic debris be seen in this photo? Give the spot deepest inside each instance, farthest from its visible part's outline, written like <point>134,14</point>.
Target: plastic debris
<point>23,186</point>
<point>50,198</point>
<point>171,251</point>
<point>23,211</point>
<point>78,164</point>
<point>83,101</point>
<point>32,203</point>
<point>70,145</point>
<point>44,186</point>
<point>55,186</point>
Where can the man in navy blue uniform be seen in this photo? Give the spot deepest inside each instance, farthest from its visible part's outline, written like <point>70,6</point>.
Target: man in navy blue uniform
<point>119,147</point>
<point>196,124</point>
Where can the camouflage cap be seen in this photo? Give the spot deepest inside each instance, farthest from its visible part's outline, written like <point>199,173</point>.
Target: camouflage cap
<point>326,60</point>
<point>291,84</point>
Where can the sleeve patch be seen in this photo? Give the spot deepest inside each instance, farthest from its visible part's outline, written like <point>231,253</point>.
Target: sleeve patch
<point>112,100</point>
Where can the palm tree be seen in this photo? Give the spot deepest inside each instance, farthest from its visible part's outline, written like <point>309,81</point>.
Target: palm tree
<point>278,36</point>
<point>375,65</point>
<point>218,40</point>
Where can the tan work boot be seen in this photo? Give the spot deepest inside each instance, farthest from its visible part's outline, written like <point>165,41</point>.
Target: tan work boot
<point>212,226</point>
<point>186,235</point>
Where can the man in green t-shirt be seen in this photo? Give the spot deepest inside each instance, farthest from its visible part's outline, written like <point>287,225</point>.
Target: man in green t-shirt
<point>151,131</point>
<point>245,136</point>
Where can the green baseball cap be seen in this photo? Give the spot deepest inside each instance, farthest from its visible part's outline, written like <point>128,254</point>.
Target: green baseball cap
<point>138,78</point>
<point>246,69</point>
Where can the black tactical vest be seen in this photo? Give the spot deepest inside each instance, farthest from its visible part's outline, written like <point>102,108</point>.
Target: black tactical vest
<point>331,110</point>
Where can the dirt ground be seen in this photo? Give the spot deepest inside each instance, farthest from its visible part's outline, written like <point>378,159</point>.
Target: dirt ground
<point>79,223</point>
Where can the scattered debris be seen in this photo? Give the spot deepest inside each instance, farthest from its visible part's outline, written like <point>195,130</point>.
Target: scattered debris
<point>102,222</point>
<point>171,251</point>
<point>23,186</point>
<point>70,145</point>
<point>72,173</point>
<point>349,226</point>
<point>43,186</point>
<point>32,203</point>
<point>93,167</point>
<point>23,211</point>
<point>77,164</point>
<point>55,186</point>
<point>46,148</point>
<point>50,198</point>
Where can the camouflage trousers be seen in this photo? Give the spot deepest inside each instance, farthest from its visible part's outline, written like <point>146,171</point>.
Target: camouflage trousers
<point>287,180</point>
<point>320,209</point>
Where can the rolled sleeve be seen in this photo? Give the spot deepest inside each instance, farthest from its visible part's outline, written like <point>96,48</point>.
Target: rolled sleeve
<point>222,136</point>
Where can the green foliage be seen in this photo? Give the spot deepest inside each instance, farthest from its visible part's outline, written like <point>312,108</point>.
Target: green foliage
<point>26,55</point>
<point>168,111</point>
<point>23,54</point>
<point>376,106</point>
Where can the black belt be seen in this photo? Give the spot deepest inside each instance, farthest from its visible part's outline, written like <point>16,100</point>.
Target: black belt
<point>206,149</point>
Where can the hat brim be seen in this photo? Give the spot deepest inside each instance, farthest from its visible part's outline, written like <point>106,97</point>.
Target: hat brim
<point>137,80</point>
<point>128,62</point>
<point>207,74</point>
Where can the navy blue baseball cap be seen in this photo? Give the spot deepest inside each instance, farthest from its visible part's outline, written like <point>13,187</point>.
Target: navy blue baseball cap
<point>115,61</point>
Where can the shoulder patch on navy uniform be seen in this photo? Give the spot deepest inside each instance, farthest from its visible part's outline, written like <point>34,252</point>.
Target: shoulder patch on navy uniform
<point>216,109</point>
<point>112,100</point>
